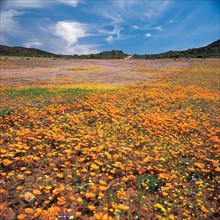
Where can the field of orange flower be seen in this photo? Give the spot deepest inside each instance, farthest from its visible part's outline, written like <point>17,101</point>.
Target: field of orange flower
<point>143,151</point>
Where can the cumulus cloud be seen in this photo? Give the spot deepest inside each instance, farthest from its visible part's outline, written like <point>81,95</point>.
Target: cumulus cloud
<point>32,44</point>
<point>148,35</point>
<point>70,31</point>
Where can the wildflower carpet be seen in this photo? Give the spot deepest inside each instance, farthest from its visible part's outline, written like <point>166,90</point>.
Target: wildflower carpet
<point>97,151</point>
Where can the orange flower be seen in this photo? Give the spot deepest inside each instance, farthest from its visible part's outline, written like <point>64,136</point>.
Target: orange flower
<point>90,195</point>
<point>36,192</point>
<point>2,191</point>
<point>61,201</point>
<point>20,176</point>
<point>203,208</point>
<point>122,207</point>
<point>1,208</point>
<point>21,216</point>
<point>91,208</point>
<point>46,202</point>
<point>28,210</point>
<point>103,188</point>
<point>80,159</point>
<point>121,194</point>
<point>102,182</point>
<point>78,214</point>
<point>60,175</point>
<point>19,188</point>
<point>36,158</point>
<point>7,162</point>
<point>38,213</point>
<point>102,216</point>
<point>28,197</point>
<point>72,198</point>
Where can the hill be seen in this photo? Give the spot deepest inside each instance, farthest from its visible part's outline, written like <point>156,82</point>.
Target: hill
<point>24,52</point>
<point>210,51</point>
<point>114,54</point>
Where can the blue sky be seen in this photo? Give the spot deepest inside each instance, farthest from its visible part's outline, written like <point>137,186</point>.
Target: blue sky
<point>92,26</point>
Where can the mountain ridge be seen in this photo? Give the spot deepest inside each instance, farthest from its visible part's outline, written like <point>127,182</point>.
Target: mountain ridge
<point>212,50</point>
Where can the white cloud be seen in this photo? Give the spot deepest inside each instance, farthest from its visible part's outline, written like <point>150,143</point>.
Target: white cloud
<point>172,21</point>
<point>81,49</point>
<point>72,3</point>
<point>158,28</point>
<point>155,8</point>
<point>154,28</point>
<point>115,18</point>
<point>109,39</point>
<point>32,44</point>
<point>122,11</point>
<point>148,35</point>
<point>135,27</point>
<point>8,24</point>
<point>38,3</point>
<point>7,21</point>
<point>70,31</point>
<point>117,31</point>
<point>25,4</point>
<point>125,4</point>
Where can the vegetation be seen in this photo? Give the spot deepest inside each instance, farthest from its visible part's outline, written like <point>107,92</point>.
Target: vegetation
<point>114,54</point>
<point>24,52</point>
<point>146,151</point>
<point>210,51</point>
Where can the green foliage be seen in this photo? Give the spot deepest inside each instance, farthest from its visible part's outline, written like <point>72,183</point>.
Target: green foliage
<point>33,92</point>
<point>6,111</point>
<point>151,182</point>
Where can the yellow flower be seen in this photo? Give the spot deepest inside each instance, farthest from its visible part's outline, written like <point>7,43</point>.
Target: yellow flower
<point>122,207</point>
<point>79,200</point>
<point>159,206</point>
<point>94,167</point>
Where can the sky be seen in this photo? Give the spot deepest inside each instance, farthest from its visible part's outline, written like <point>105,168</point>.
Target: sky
<point>92,26</point>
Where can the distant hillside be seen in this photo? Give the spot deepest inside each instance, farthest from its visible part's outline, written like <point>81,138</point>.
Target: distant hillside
<point>24,52</point>
<point>210,51</point>
<point>114,54</point>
